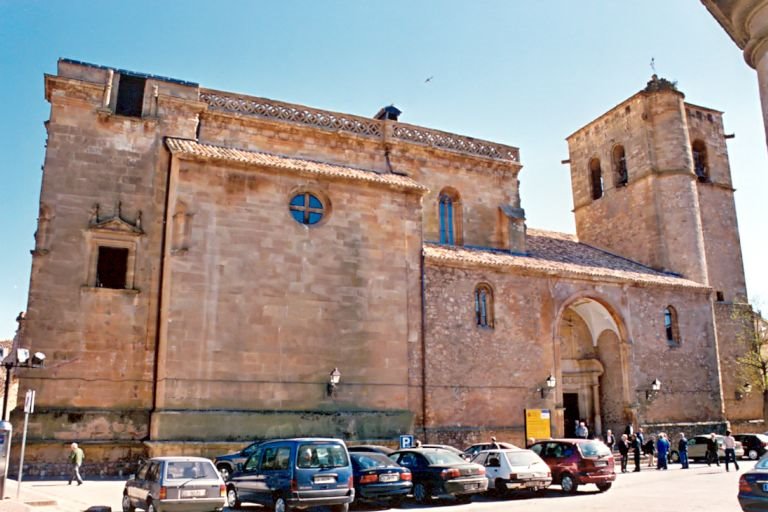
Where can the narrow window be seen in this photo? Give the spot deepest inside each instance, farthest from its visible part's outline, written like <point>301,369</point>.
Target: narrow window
<point>483,306</point>
<point>449,210</point>
<point>130,96</point>
<point>596,177</point>
<point>700,166</point>
<point>671,327</point>
<point>720,297</point>
<point>620,166</point>
<point>111,267</point>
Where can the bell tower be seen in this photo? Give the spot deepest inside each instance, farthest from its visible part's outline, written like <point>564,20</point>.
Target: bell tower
<point>651,182</point>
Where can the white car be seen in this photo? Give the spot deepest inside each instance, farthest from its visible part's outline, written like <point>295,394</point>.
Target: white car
<point>510,469</point>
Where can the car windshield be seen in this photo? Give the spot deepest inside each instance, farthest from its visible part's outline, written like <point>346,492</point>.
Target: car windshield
<point>762,464</point>
<point>442,457</point>
<point>322,455</point>
<point>190,469</point>
<point>372,460</point>
<point>522,458</point>
<point>594,449</point>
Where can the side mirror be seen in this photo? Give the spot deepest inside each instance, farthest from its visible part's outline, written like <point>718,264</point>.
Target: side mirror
<point>239,467</point>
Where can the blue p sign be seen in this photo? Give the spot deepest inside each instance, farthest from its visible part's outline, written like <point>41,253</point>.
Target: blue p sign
<point>406,442</point>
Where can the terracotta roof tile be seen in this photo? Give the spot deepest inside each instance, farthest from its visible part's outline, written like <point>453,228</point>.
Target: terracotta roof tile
<point>558,253</point>
<point>191,148</point>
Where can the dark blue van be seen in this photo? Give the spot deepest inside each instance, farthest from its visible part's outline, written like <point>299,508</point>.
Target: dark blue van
<point>287,474</point>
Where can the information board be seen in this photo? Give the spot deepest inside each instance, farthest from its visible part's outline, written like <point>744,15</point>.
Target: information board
<point>538,424</point>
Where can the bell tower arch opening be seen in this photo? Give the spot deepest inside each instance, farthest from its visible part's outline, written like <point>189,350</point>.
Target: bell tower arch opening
<point>593,367</point>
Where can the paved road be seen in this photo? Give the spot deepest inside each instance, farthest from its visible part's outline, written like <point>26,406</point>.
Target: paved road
<point>700,488</point>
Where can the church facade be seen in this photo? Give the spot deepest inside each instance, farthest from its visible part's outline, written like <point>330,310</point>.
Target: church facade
<point>205,260</point>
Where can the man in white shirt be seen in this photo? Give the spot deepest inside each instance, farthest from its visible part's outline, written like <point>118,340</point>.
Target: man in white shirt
<point>730,450</point>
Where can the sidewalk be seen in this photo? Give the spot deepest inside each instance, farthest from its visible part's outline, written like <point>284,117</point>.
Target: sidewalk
<point>56,495</point>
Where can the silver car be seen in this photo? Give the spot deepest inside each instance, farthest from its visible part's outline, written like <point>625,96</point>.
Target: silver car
<point>175,484</point>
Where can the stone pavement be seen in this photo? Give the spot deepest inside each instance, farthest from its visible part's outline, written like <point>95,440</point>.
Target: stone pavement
<point>56,495</point>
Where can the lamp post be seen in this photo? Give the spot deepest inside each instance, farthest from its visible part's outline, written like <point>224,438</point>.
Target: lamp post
<point>19,359</point>
<point>333,380</point>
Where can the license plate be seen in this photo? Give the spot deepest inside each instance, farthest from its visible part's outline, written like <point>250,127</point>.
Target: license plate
<point>192,493</point>
<point>523,476</point>
<point>389,478</point>
<point>324,480</point>
<point>600,464</point>
<point>469,487</point>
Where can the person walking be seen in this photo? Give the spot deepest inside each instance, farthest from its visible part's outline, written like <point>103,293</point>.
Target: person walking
<point>623,445</point>
<point>649,449</point>
<point>610,439</point>
<point>682,450</point>
<point>75,461</point>
<point>712,455</point>
<point>730,450</point>
<point>662,450</point>
<point>582,431</point>
<point>636,446</point>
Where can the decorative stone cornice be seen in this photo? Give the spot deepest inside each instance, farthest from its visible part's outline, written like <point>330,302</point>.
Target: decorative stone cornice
<point>356,125</point>
<point>746,21</point>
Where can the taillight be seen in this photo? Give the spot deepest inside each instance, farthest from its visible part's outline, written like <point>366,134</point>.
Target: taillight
<point>163,494</point>
<point>222,490</point>
<point>351,482</point>
<point>744,485</point>
<point>367,479</point>
<point>447,474</point>
<point>513,476</point>
<point>406,475</point>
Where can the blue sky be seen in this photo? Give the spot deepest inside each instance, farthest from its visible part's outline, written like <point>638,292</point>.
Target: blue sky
<point>517,72</point>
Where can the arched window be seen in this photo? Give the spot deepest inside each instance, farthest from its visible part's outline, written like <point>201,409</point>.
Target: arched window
<point>450,217</point>
<point>596,178</point>
<point>670,326</point>
<point>621,175</point>
<point>700,166</point>
<point>483,305</point>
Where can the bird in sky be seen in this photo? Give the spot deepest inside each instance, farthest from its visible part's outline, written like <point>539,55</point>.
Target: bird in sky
<point>428,79</point>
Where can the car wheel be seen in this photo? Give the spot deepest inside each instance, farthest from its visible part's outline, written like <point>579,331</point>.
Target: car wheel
<point>674,457</point>
<point>233,500</point>
<point>604,487</point>
<point>224,471</point>
<point>281,505</point>
<point>151,507</point>
<point>568,484</point>
<point>500,487</point>
<point>753,455</point>
<point>127,505</point>
<point>340,508</point>
<point>420,493</point>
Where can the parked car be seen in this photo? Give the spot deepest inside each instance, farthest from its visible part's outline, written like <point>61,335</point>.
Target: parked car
<point>753,488</point>
<point>294,473</point>
<point>473,450</point>
<point>697,448</point>
<point>226,463</point>
<point>576,462</point>
<point>377,477</point>
<point>441,473</point>
<point>755,445</point>
<point>375,448</point>
<point>191,484</point>
<point>507,470</point>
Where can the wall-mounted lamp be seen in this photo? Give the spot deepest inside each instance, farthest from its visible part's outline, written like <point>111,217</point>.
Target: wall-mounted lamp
<point>651,394</point>
<point>333,381</point>
<point>548,387</point>
<point>743,390</point>
<point>20,358</point>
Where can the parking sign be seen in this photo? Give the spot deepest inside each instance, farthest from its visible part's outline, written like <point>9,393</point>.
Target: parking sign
<point>406,441</point>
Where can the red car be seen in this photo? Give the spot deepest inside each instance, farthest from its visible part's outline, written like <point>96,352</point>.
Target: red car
<point>576,462</point>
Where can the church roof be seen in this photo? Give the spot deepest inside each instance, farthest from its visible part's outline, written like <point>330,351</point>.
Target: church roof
<point>197,150</point>
<point>555,253</point>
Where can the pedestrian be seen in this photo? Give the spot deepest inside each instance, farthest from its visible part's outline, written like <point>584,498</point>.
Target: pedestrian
<point>629,430</point>
<point>494,444</point>
<point>640,436</point>
<point>730,450</point>
<point>682,450</point>
<point>662,451</point>
<point>712,455</point>
<point>636,447</point>
<point>75,461</point>
<point>582,431</point>
<point>610,440</point>
<point>624,451</point>
<point>648,449</point>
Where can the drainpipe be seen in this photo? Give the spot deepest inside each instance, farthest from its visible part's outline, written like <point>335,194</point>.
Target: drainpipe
<point>423,346</point>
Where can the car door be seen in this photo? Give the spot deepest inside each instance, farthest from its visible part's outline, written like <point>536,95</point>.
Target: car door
<point>137,488</point>
<point>249,481</point>
<point>492,461</point>
<point>697,448</point>
<point>276,470</point>
<point>152,481</point>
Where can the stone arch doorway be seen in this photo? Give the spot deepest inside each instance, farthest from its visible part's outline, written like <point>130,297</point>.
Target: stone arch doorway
<point>593,367</point>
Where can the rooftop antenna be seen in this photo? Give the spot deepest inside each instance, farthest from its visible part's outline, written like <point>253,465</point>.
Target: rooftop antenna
<point>653,65</point>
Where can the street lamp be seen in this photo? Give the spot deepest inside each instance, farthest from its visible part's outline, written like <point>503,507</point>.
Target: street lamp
<point>651,394</point>
<point>18,359</point>
<point>333,381</point>
<point>549,386</point>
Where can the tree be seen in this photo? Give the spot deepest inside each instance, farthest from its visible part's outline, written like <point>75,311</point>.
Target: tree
<point>753,361</point>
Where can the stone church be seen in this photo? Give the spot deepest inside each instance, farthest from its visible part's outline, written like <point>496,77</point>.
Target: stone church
<point>213,267</point>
